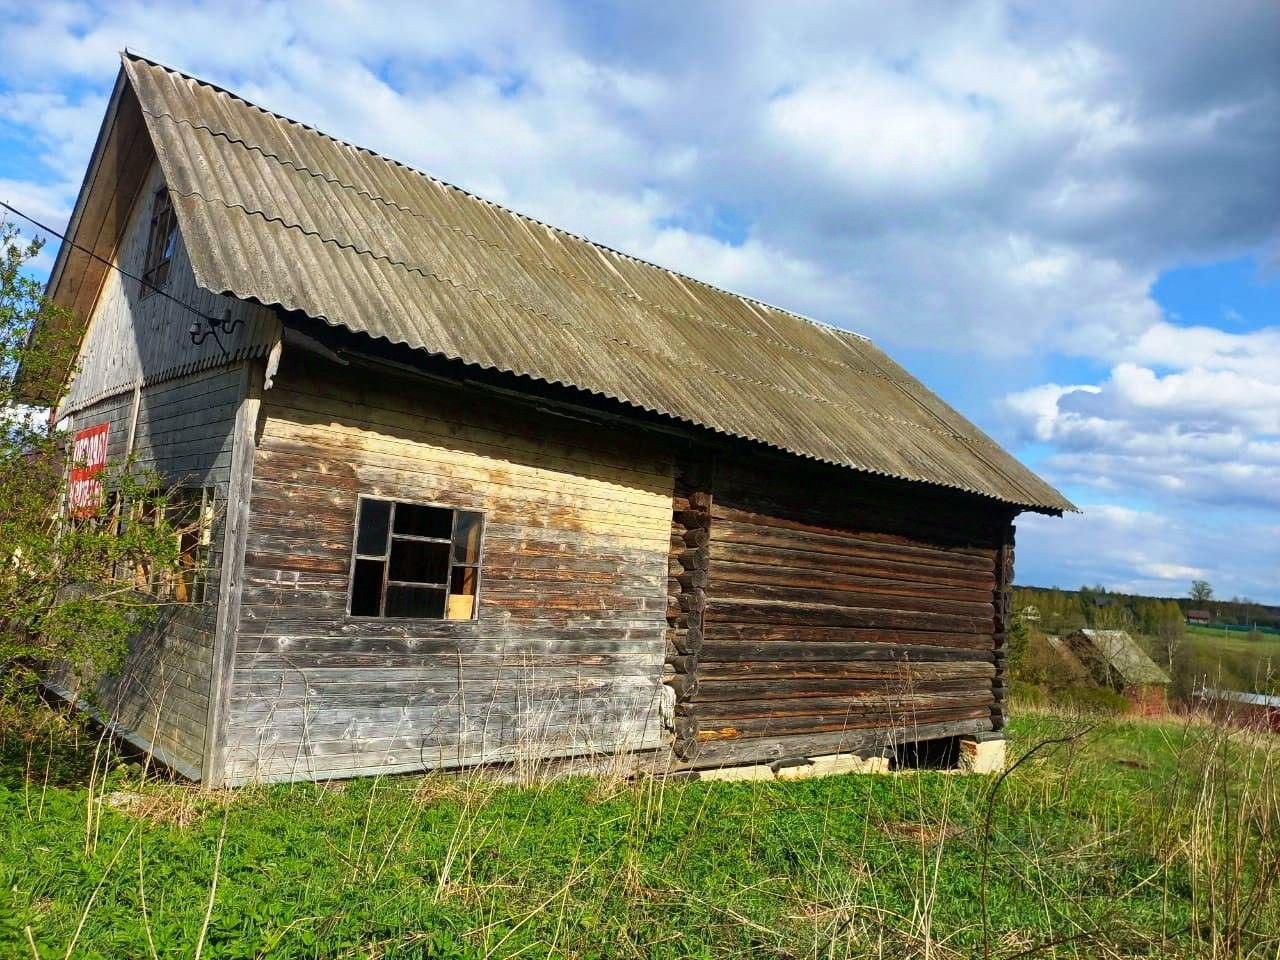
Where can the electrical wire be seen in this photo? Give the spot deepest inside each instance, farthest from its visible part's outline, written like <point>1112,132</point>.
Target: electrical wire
<point>212,322</point>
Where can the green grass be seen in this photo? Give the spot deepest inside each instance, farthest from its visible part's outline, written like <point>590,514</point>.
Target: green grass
<point>1267,644</point>
<point>1233,660</point>
<point>1125,842</point>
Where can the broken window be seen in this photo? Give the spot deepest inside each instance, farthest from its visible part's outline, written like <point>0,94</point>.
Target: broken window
<point>415,560</point>
<point>189,514</point>
<point>191,517</point>
<point>160,243</point>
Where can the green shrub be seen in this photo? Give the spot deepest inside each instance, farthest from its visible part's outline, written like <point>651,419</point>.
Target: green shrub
<point>1092,699</point>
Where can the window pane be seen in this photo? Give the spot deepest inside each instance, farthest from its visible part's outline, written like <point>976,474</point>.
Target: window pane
<point>466,537</point>
<point>371,538</point>
<point>170,240</point>
<point>419,521</point>
<point>366,588</point>
<point>419,561</point>
<point>464,580</point>
<point>423,602</point>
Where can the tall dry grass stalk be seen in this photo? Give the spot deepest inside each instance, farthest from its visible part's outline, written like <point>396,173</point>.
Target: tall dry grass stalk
<point>1232,849</point>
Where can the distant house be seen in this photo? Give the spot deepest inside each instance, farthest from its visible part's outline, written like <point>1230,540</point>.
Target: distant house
<point>1114,659</point>
<point>1256,711</point>
<point>1198,617</point>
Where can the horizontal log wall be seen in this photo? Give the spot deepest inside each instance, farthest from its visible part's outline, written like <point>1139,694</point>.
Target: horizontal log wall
<point>843,612</point>
<point>159,697</point>
<point>567,653</point>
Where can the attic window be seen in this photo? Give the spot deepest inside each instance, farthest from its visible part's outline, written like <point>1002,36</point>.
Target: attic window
<point>160,243</point>
<point>414,560</point>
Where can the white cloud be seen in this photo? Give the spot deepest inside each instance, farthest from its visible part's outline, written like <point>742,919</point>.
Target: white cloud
<point>1206,431</point>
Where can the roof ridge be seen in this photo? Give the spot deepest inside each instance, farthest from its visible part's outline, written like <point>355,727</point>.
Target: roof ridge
<point>820,324</point>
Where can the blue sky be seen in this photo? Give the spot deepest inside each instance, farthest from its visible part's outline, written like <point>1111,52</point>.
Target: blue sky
<point>1065,223</point>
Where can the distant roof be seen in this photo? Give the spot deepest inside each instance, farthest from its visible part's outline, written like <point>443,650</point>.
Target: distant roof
<point>1122,654</point>
<point>278,212</point>
<point>1198,615</point>
<point>1239,696</point>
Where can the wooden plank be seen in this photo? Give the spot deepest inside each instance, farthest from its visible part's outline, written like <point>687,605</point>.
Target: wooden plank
<point>715,687</point>
<point>772,747</point>
<point>903,671</point>
<point>749,527</point>
<point>759,633</point>
<point>231,580</point>
<point>875,706</point>
<point>733,652</point>
<point>743,611</point>
<point>730,573</point>
<point>753,727</point>
<point>815,597</point>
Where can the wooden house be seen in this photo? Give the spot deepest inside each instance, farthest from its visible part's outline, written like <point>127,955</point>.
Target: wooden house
<point>1114,659</point>
<point>1198,618</point>
<point>484,490</point>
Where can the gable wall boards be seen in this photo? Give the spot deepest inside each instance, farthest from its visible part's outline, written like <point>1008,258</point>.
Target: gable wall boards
<point>132,337</point>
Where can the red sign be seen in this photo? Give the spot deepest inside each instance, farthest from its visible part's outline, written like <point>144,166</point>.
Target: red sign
<point>88,461</point>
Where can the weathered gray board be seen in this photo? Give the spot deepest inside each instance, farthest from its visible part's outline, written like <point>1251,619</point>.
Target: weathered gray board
<point>136,349</point>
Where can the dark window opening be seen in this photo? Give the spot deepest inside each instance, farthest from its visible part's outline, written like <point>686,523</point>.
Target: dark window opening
<point>414,560</point>
<point>161,242</point>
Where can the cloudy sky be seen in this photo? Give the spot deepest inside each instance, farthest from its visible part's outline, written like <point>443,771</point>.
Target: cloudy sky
<point>1064,217</point>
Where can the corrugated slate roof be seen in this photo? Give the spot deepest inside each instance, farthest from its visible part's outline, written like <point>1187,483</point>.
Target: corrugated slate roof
<point>1124,655</point>
<point>274,210</point>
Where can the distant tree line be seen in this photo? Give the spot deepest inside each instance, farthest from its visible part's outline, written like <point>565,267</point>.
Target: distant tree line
<point>1066,610</point>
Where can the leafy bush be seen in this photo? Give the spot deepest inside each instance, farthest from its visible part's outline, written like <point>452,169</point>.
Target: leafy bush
<point>69,589</point>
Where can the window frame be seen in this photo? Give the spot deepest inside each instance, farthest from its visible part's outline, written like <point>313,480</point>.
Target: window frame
<point>385,559</point>
<point>156,264</point>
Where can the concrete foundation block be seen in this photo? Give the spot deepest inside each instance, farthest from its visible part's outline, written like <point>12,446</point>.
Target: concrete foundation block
<point>800,771</point>
<point>729,774</point>
<point>981,756</point>
<point>849,763</point>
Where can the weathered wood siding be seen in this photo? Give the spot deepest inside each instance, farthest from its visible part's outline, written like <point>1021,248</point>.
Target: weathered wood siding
<point>130,337</point>
<point>566,654</point>
<point>184,430</point>
<point>839,612</point>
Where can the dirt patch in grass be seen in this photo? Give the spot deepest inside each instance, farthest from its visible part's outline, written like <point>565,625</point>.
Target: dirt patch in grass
<point>929,834</point>
<point>167,806</point>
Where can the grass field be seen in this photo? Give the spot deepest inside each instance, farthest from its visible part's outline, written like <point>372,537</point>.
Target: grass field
<point>1231,660</point>
<point>1132,840</point>
<point>1267,645</point>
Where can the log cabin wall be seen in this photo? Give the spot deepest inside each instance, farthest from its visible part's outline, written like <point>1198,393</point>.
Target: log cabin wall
<point>566,654</point>
<point>843,612</point>
<point>184,430</point>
